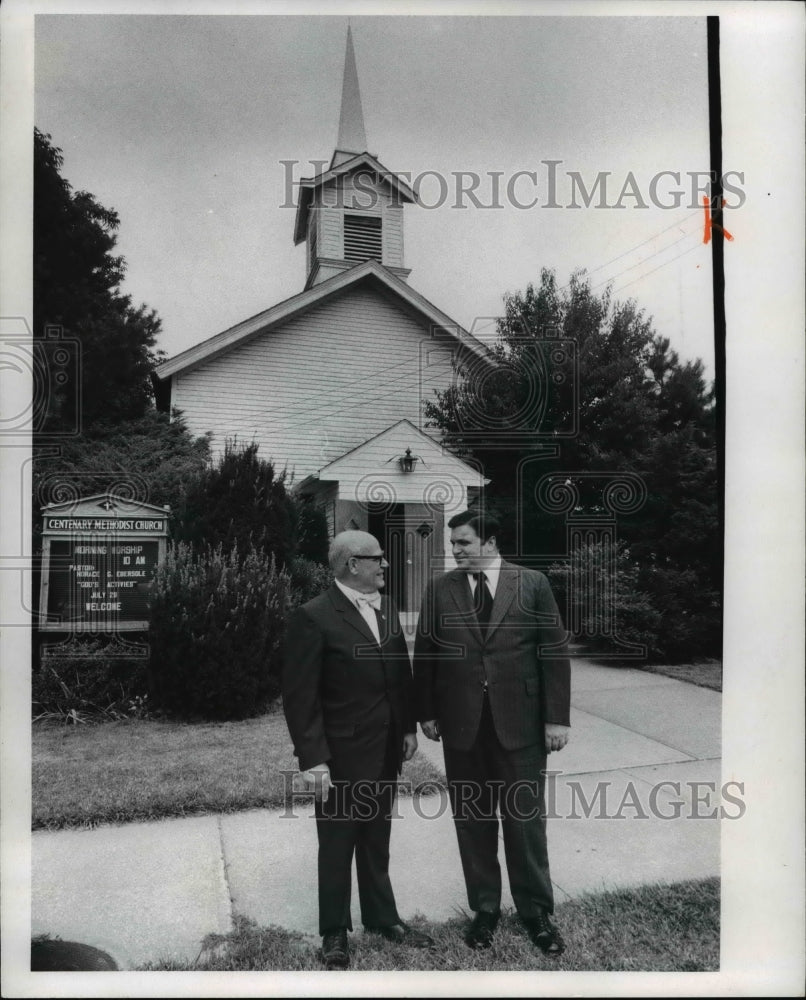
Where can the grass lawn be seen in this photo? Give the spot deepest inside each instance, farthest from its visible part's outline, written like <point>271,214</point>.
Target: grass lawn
<point>671,928</point>
<point>704,673</point>
<point>115,772</point>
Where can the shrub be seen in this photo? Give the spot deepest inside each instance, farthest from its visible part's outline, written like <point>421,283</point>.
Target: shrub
<point>308,580</point>
<point>88,678</point>
<point>216,626</point>
<point>692,620</point>
<point>600,592</point>
<point>313,538</point>
<point>631,594</point>
<point>240,502</point>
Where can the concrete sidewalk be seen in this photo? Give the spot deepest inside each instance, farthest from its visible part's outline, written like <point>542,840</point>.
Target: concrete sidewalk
<point>633,798</point>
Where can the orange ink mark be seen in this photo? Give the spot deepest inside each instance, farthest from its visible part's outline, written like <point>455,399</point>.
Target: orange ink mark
<point>709,223</point>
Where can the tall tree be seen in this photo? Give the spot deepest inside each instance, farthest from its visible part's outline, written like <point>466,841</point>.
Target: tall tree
<point>77,279</point>
<point>638,410</point>
<point>116,440</point>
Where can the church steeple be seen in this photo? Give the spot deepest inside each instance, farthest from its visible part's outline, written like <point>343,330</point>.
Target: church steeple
<point>353,211</point>
<point>352,138</point>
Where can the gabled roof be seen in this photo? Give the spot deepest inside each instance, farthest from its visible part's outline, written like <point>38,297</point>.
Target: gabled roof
<point>369,271</point>
<point>106,501</point>
<point>382,452</point>
<point>414,435</point>
<point>308,185</point>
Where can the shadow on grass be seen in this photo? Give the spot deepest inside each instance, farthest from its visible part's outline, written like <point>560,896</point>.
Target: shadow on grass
<point>657,928</point>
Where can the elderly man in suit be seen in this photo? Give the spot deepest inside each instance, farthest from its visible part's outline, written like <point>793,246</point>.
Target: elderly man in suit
<point>347,695</point>
<point>492,680</point>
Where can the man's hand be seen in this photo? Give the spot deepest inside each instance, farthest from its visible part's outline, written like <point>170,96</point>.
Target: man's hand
<point>556,736</point>
<point>409,745</point>
<point>318,778</point>
<point>431,729</point>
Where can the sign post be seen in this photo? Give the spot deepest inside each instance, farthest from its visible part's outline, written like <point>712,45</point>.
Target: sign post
<point>98,556</point>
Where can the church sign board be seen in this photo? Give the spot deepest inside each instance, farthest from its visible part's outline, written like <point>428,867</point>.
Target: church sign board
<point>98,556</point>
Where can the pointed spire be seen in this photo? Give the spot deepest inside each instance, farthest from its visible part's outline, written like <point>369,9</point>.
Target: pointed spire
<point>352,138</point>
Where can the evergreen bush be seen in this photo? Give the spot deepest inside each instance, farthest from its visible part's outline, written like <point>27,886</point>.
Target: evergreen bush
<point>691,627</point>
<point>600,590</point>
<point>216,626</point>
<point>239,501</point>
<point>308,580</point>
<point>313,540</point>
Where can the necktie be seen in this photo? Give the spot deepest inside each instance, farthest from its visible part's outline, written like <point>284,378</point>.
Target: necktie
<point>369,600</point>
<point>369,607</point>
<point>484,601</point>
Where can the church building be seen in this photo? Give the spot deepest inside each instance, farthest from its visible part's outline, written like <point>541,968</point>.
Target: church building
<point>331,382</point>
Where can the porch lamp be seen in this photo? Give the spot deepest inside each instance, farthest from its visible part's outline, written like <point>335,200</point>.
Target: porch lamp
<point>408,461</point>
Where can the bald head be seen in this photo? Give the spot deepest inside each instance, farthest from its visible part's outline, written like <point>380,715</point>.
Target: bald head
<point>345,558</point>
<point>350,543</point>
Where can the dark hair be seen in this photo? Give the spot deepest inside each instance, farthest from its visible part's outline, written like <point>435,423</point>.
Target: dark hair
<point>486,526</point>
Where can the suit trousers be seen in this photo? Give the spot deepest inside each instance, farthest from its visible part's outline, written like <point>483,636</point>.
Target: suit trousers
<point>487,780</point>
<point>356,820</point>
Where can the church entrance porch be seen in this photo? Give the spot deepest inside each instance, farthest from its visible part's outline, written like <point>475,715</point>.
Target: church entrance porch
<point>402,487</point>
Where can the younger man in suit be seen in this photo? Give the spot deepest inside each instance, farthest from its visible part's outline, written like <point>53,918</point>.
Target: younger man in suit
<point>492,679</point>
<point>347,695</point>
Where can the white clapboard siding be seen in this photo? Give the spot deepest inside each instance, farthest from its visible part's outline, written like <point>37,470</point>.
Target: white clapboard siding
<point>393,236</point>
<point>331,233</point>
<point>335,201</point>
<point>319,385</point>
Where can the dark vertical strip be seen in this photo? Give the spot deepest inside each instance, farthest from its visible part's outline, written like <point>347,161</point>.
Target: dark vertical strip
<point>718,265</point>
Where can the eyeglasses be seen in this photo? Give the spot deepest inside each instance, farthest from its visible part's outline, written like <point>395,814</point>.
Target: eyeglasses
<point>378,559</point>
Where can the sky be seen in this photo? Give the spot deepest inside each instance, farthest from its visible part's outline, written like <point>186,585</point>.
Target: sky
<point>182,123</point>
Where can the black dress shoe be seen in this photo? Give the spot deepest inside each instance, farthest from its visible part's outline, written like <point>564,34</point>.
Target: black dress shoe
<point>403,934</point>
<point>480,932</point>
<point>545,935</point>
<point>335,953</point>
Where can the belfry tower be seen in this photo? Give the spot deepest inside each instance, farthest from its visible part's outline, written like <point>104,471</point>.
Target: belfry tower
<point>353,211</point>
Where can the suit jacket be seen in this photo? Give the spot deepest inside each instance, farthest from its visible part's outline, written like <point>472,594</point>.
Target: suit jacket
<point>523,658</point>
<point>341,691</point>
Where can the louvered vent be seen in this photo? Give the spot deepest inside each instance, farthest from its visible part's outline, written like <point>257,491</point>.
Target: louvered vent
<point>362,237</point>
